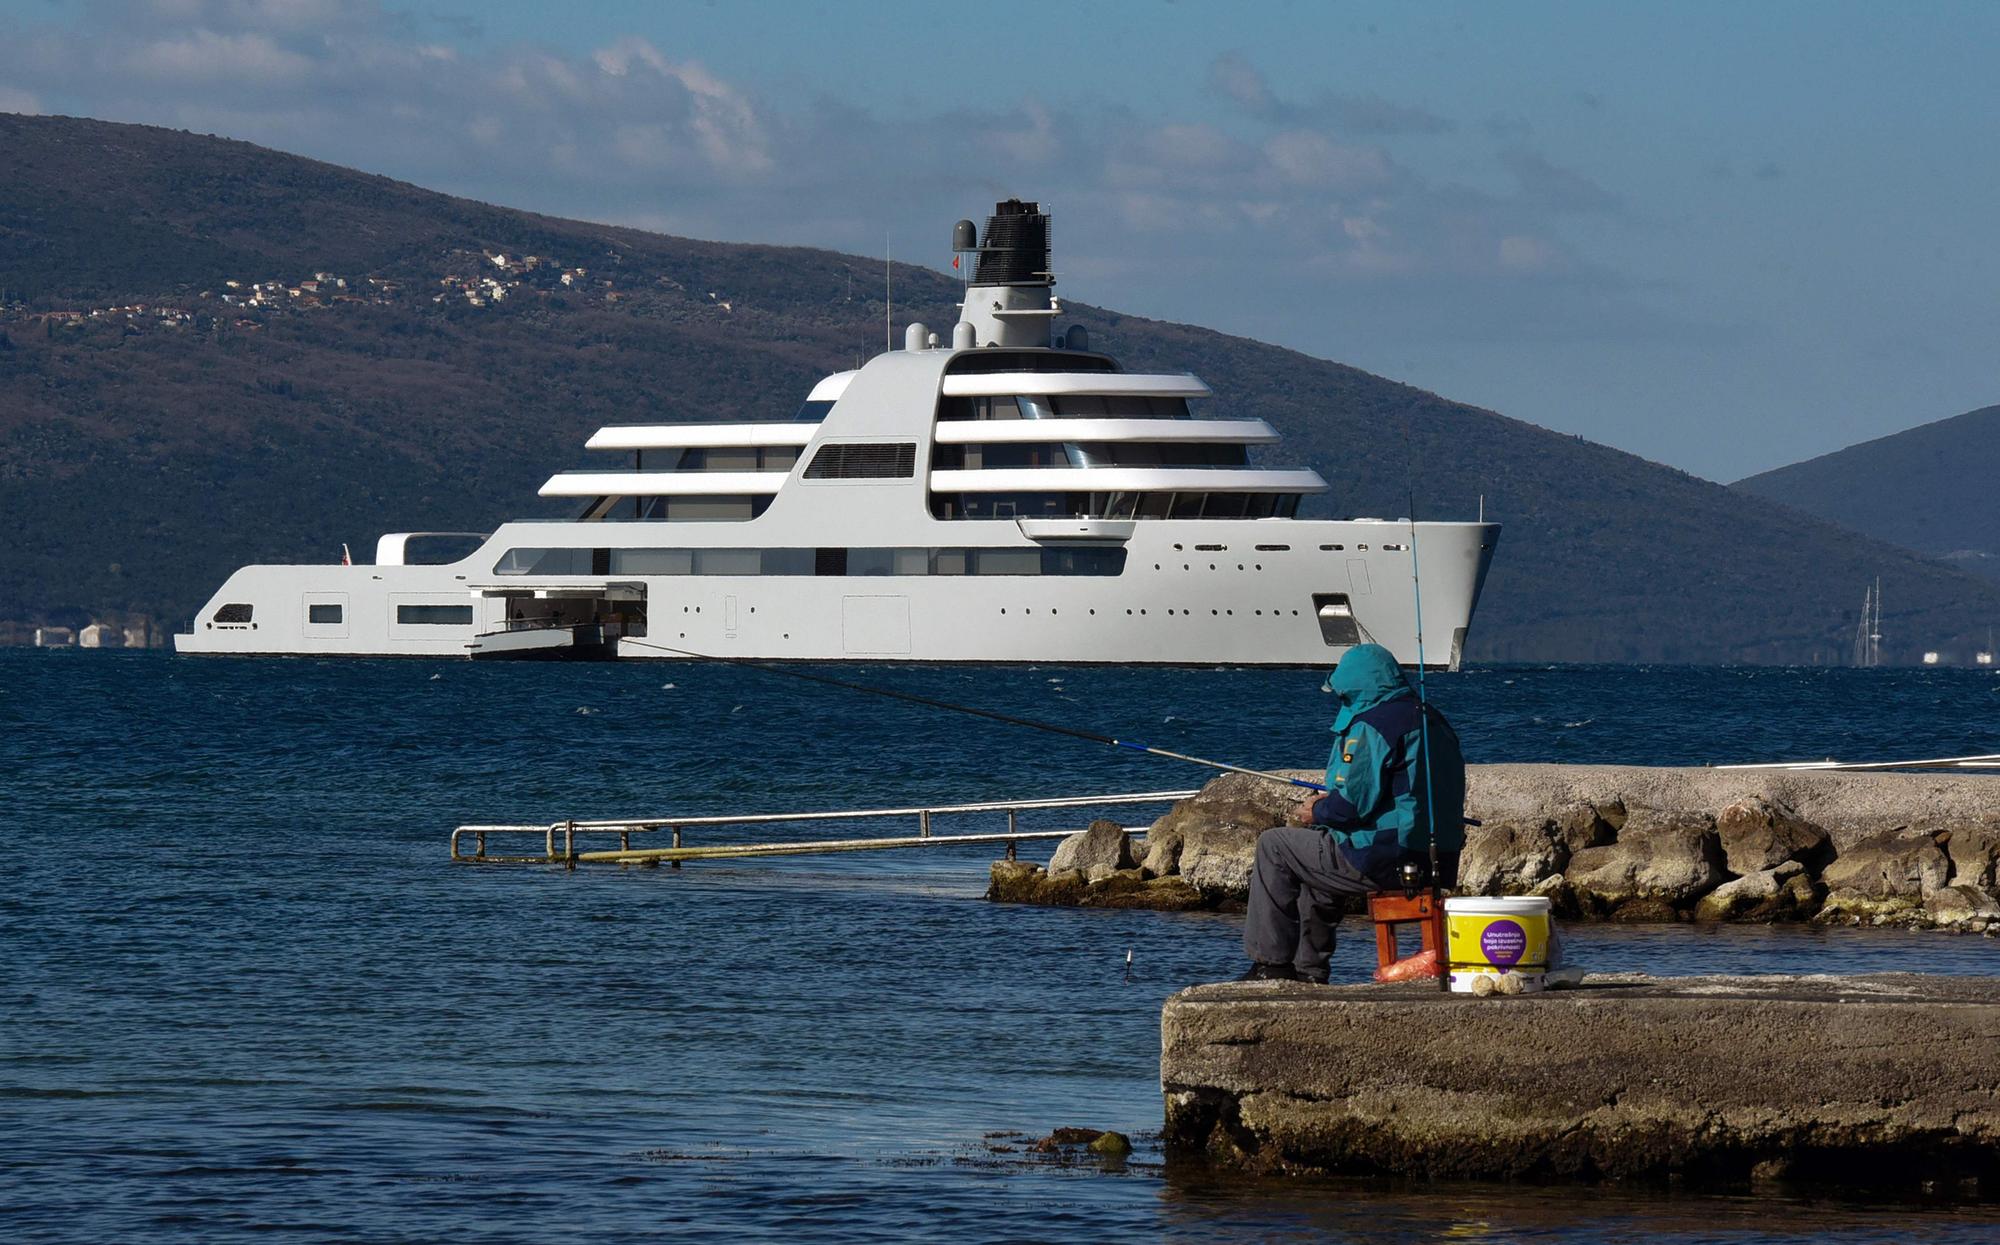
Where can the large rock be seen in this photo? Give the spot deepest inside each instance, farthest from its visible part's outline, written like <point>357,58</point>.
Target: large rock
<point>1217,860</point>
<point>1102,847</point>
<point>1581,825</point>
<point>1757,835</point>
<point>1895,864</point>
<point>1232,801</point>
<point>1510,857</point>
<point>1962,907</point>
<point>1783,893</point>
<point>1661,862</point>
<point>1715,1078</point>
<point>1974,850</point>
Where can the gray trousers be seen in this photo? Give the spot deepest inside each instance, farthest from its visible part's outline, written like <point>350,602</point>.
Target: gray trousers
<point>1296,890</point>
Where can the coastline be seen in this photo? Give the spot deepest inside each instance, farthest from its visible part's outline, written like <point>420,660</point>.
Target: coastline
<point>1606,842</point>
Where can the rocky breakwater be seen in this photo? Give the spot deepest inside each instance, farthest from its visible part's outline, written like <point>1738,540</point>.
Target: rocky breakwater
<point>1881,1080</point>
<point>1621,843</point>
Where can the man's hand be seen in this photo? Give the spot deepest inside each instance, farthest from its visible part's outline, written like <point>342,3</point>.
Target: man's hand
<point>1302,815</point>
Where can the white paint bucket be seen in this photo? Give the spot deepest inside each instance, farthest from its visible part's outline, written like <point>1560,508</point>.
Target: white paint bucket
<point>1493,938</point>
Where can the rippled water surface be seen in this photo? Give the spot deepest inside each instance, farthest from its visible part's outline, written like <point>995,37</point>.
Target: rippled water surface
<point>245,992</point>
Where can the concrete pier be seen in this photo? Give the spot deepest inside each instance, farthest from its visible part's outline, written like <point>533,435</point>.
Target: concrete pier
<point>1891,1079</point>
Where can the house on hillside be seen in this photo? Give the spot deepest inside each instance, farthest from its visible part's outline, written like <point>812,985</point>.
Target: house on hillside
<point>100,635</point>
<point>54,637</point>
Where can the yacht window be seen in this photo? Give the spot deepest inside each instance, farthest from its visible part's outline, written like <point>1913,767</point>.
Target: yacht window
<point>233,613</point>
<point>787,562</point>
<point>1224,506</point>
<point>652,562</point>
<point>545,562</point>
<point>1187,505</point>
<point>871,561</point>
<point>990,360</point>
<point>322,615</point>
<point>812,412</point>
<point>731,459</point>
<point>1031,560</point>
<point>728,562</point>
<point>724,509</point>
<point>1118,406</point>
<point>436,615</point>
<point>1007,561</point>
<point>1259,505</point>
<point>1155,505</point>
<point>889,460</point>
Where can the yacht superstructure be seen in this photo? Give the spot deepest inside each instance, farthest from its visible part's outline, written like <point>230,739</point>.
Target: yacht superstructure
<point>1008,495</point>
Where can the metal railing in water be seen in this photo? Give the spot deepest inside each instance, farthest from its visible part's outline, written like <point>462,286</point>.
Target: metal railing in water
<point>560,839</point>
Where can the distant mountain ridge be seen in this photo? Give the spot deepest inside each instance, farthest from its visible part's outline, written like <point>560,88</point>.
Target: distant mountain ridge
<point>1934,488</point>
<point>388,360</point>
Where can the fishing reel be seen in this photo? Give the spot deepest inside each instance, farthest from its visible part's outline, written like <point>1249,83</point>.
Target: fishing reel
<point>1414,877</point>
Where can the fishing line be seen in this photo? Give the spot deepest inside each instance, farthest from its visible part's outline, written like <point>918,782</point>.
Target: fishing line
<point>1009,719</point>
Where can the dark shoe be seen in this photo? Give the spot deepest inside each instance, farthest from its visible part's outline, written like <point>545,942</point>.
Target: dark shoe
<point>1270,972</point>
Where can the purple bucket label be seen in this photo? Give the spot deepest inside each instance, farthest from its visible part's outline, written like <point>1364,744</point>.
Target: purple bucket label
<point>1504,943</point>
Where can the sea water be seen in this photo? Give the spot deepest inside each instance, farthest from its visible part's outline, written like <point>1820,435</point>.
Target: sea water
<point>244,993</point>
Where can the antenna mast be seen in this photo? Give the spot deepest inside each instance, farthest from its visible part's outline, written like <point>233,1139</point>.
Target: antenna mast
<point>888,299</point>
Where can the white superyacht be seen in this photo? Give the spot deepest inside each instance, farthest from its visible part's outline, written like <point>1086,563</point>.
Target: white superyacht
<point>1006,495</point>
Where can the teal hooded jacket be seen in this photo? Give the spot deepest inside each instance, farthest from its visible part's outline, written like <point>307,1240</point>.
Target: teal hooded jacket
<point>1381,779</point>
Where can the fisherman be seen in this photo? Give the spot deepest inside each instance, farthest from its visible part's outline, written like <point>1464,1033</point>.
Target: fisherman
<point>1395,777</point>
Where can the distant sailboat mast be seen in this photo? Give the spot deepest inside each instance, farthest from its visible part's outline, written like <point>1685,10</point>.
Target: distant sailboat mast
<point>1868,633</point>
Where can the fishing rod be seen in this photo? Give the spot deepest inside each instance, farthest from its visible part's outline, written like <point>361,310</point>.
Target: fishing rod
<point>1424,736</point>
<point>989,714</point>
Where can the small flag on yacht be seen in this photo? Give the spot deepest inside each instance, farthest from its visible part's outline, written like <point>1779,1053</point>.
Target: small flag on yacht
<point>954,261</point>
<point>346,558</point>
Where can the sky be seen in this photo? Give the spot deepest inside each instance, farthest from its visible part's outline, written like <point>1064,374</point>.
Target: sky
<point>1722,236</point>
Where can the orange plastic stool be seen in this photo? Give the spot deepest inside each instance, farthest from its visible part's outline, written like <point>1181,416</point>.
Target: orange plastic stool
<point>1391,909</point>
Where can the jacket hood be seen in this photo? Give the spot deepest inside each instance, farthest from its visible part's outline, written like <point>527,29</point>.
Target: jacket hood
<point>1367,676</point>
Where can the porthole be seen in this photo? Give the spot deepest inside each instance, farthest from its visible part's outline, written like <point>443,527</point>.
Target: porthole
<point>1216,613</point>
<point>1211,566</point>
<point>1177,548</point>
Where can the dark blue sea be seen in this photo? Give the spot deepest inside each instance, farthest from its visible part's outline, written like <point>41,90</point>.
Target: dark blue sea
<point>243,992</point>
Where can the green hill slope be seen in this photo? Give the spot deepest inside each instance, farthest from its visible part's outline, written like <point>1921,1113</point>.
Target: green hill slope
<point>146,453</point>
<point>1930,488</point>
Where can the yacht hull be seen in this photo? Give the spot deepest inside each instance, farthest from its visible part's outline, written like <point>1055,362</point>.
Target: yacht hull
<point>1191,592</point>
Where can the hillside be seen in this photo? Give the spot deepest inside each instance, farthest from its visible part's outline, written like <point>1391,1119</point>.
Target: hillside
<point>388,359</point>
<point>1929,488</point>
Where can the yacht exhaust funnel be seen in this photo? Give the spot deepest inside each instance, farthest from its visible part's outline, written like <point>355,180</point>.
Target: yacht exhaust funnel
<point>1007,301</point>
<point>1016,249</point>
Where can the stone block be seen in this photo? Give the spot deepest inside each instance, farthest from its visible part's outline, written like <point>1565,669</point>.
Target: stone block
<point>1711,1078</point>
